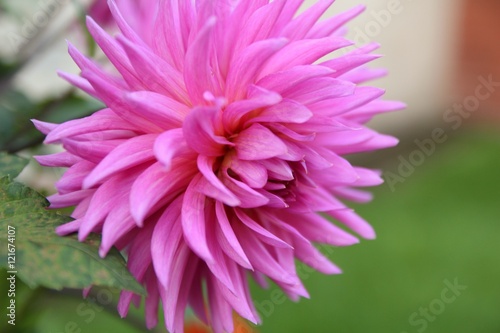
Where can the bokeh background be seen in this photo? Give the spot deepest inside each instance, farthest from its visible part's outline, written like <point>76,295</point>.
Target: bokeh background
<point>435,264</point>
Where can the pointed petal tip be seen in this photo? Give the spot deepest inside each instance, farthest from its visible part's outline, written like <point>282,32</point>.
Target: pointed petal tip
<point>367,232</point>
<point>61,230</point>
<point>122,311</point>
<point>103,251</point>
<point>393,141</point>
<point>337,271</point>
<point>370,235</point>
<point>89,20</point>
<point>43,126</point>
<point>82,235</point>
<point>347,240</point>
<point>39,158</point>
<point>151,324</point>
<point>359,8</point>
<point>397,105</point>
<point>86,291</point>
<point>61,73</point>
<point>139,215</point>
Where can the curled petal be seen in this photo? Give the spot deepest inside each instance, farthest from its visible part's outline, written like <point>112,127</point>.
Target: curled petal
<point>170,144</point>
<point>199,132</point>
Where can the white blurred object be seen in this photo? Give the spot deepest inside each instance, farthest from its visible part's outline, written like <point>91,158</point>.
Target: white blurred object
<point>38,34</point>
<point>419,41</point>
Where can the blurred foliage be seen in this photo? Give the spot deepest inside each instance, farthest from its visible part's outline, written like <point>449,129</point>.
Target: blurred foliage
<point>11,165</point>
<point>7,69</point>
<point>17,110</point>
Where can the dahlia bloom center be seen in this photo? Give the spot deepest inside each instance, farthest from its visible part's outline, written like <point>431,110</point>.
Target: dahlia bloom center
<point>247,149</point>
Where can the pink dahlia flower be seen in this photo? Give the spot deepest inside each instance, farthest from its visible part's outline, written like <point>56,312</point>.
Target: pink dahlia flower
<point>222,139</point>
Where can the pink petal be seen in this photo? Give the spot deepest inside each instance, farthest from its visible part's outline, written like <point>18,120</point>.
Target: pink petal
<point>278,169</point>
<point>302,52</point>
<point>217,190</point>
<point>260,231</point>
<point>227,238</point>
<point>180,271</point>
<point>260,24</point>
<point>151,304</point>
<point>354,222</point>
<point>288,111</point>
<point>167,238</point>
<point>164,111</point>
<point>133,152</point>
<point>68,228</point>
<point>320,89</point>
<point>260,258</point>
<point>257,98</point>
<point>241,301</point>
<point>254,174</point>
<point>63,159</point>
<point>197,71</point>
<point>346,63</point>
<point>100,121</point>
<point>156,187</point>
<point>329,26</point>
<point>193,221</point>
<point>68,200</point>
<point>221,312</point>
<point>117,224</point>
<point>170,41</point>
<point>199,132</point>
<point>218,267</point>
<point>113,96</point>
<point>289,10</point>
<point>169,145</point>
<point>257,142</point>
<point>93,151</point>
<point>300,26</point>
<point>114,53</point>
<point>281,81</point>
<point>309,255</point>
<point>44,127</point>
<point>246,67</point>
<point>78,82</point>
<point>249,198</point>
<point>73,178</point>
<point>156,75</point>
<point>108,195</point>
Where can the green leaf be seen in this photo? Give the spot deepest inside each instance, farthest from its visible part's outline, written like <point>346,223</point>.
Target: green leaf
<point>11,165</point>
<point>45,259</point>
